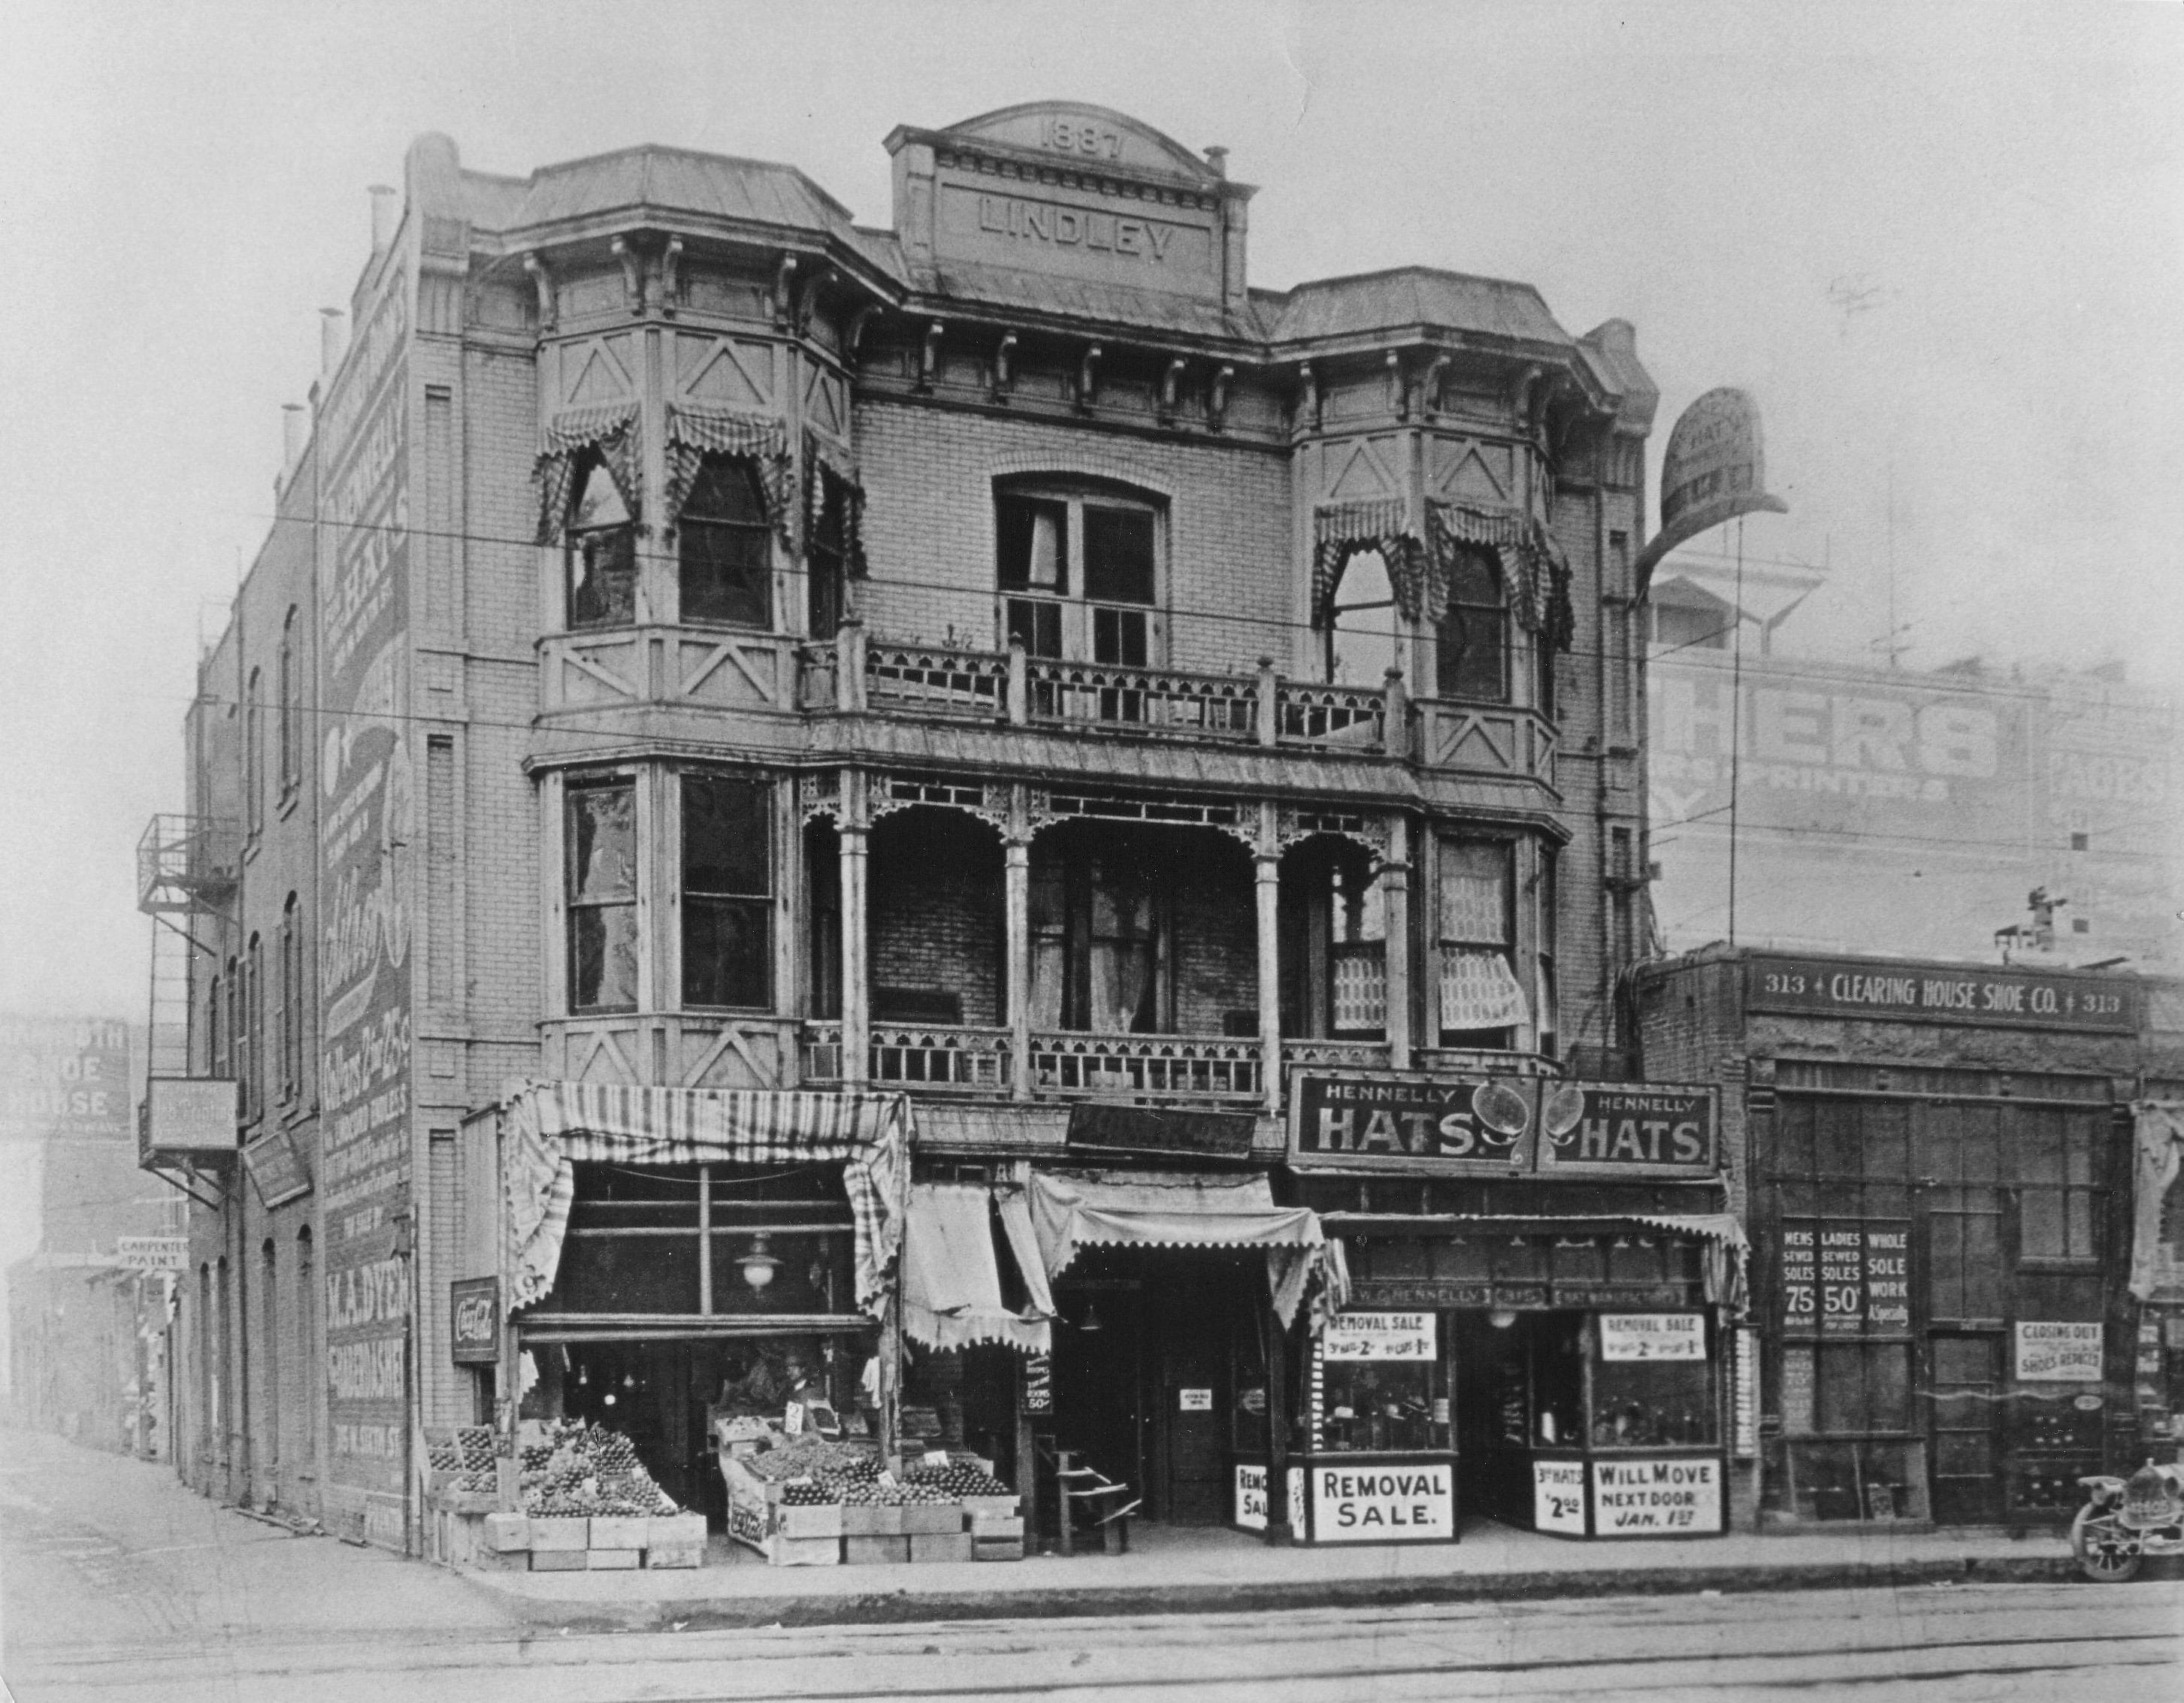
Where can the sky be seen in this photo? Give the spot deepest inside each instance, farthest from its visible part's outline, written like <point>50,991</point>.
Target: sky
<point>1943,244</point>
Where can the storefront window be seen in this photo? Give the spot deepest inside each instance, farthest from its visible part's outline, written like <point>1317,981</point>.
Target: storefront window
<point>1653,1403</point>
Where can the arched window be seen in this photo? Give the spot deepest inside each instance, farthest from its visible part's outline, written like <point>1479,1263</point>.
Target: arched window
<point>292,709</point>
<point>269,1281</point>
<point>253,752</point>
<point>234,1055</point>
<point>215,1029</point>
<point>1359,640</point>
<point>292,999</point>
<point>1473,649</point>
<point>825,560</point>
<point>306,1314</point>
<point>251,1094</point>
<point>602,547</point>
<point>727,553</point>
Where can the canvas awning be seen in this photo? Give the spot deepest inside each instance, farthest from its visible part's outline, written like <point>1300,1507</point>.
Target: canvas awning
<point>1072,1210</point>
<point>547,1127</point>
<point>2156,1270</point>
<point>951,1280</point>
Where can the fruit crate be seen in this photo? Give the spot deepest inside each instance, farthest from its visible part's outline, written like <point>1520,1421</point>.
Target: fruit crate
<point>869,1520</point>
<point>932,1519</point>
<point>807,1519</point>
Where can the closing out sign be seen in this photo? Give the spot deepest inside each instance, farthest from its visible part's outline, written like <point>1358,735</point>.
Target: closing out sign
<point>1378,1504</point>
<point>2058,1352</point>
<point>1656,1498</point>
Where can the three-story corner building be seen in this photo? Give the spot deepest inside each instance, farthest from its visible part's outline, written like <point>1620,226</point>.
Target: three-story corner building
<point>811,728</point>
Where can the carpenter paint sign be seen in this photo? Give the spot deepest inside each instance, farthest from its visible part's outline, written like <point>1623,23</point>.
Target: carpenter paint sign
<point>368,844</point>
<point>1379,1502</point>
<point>1676,1497</point>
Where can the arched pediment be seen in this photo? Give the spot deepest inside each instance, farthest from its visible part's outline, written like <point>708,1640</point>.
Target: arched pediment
<point>1092,135</point>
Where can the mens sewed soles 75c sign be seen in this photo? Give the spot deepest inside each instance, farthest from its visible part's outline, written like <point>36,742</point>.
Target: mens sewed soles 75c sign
<point>1502,1127</point>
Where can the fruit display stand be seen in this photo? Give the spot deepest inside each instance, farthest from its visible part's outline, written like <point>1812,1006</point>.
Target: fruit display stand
<point>806,1502</point>
<point>589,1505</point>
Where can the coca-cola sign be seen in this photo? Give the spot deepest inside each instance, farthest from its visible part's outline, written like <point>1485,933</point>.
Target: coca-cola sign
<point>474,1313</point>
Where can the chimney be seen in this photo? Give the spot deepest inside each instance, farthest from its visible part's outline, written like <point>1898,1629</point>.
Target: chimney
<point>292,425</point>
<point>330,341</point>
<point>384,209</point>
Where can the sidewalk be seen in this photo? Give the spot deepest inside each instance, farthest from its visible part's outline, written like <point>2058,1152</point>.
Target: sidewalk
<point>1203,1571</point>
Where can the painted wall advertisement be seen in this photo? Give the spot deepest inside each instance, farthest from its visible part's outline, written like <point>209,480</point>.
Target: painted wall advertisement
<point>64,1078</point>
<point>367,844</point>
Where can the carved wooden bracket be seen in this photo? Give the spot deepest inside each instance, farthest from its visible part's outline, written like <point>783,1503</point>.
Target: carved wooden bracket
<point>633,273</point>
<point>1308,397</point>
<point>1429,394</point>
<point>784,294</point>
<point>1088,378</point>
<point>855,339</point>
<point>928,359</point>
<point>807,303</point>
<point>1399,396</point>
<point>1171,388</point>
<point>1004,367</point>
<point>543,281</point>
<point>671,276</point>
<point>1216,397</point>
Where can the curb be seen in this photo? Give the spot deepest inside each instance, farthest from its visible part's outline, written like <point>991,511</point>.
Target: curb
<point>880,1608</point>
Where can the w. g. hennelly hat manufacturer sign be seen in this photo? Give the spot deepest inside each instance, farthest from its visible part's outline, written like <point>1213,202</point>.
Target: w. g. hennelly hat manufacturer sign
<point>1714,469</point>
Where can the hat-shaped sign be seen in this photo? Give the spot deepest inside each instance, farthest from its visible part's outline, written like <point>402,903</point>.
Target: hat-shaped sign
<point>1715,468</point>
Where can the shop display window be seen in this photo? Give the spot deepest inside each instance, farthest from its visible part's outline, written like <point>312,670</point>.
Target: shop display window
<point>1652,1405</point>
<point>1369,1406</point>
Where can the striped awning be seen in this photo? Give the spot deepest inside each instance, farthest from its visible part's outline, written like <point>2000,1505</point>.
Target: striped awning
<point>695,432</point>
<point>609,427</point>
<point>548,1127</point>
<point>1072,1210</point>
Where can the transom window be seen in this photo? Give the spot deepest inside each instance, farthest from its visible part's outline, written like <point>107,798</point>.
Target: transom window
<point>726,559</point>
<point>1079,574</point>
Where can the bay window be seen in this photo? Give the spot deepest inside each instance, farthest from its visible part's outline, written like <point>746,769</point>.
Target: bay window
<point>601,552</point>
<point>727,906</point>
<point>1471,651</point>
<point>1482,1002</point>
<point>601,850</point>
<point>726,548</point>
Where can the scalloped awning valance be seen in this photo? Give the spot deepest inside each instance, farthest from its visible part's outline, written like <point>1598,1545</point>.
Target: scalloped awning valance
<point>694,434</point>
<point>611,429</point>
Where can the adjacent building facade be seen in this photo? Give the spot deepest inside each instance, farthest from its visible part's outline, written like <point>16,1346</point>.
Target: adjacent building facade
<point>1003,659</point>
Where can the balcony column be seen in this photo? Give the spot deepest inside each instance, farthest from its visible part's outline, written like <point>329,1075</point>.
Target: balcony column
<point>1015,894</point>
<point>855,834</point>
<point>1395,916</point>
<point>1267,870</point>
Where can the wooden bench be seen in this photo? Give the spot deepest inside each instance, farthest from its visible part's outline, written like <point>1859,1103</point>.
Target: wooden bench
<point>1086,1489</point>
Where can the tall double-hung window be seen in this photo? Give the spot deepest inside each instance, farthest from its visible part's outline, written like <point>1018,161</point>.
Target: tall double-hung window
<point>1079,573</point>
<point>601,855</point>
<point>726,548</point>
<point>727,891</point>
<point>602,552</point>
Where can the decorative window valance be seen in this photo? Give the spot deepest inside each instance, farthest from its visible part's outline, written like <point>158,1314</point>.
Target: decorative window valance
<point>1533,566</point>
<point>611,429</point>
<point>822,462</point>
<point>693,433</point>
<point>1340,531</point>
<point>547,1127</point>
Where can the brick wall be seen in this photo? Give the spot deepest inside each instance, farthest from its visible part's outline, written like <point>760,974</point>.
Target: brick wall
<point>934,902</point>
<point>929,473</point>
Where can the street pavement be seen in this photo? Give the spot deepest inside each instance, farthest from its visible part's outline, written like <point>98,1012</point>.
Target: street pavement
<point>119,1586</point>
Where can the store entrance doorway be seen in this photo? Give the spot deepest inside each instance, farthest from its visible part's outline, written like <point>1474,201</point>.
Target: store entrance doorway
<point>1520,1386</point>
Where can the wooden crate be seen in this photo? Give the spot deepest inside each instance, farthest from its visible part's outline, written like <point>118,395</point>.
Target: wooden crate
<point>504,1534</point>
<point>931,1519</point>
<point>976,1505</point>
<point>803,1552</point>
<point>998,1548</point>
<point>675,1555</point>
<point>792,1520</point>
<point>557,1561</point>
<point>612,1560</point>
<point>984,1526</point>
<point>875,1551</point>
<point>558,1533</point>
<point>620,1531</point>
<point>861,1520</point>
<point>666,1531</point>
<point>939,1546</point>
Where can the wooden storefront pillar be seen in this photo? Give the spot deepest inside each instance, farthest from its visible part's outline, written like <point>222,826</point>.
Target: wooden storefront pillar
<point>1266,868</point>
<point>856,1002</point>
<point>1016,851</point>
<point>1396,906</point>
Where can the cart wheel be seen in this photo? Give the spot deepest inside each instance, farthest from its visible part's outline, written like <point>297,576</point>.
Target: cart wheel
<point>2106,1554</point>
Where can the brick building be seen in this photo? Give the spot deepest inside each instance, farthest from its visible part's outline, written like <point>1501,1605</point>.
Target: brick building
<point>1003,659</point>
<point>1937,1163</point>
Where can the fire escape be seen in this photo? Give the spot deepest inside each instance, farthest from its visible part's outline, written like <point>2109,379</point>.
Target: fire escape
<point>188,870</point>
